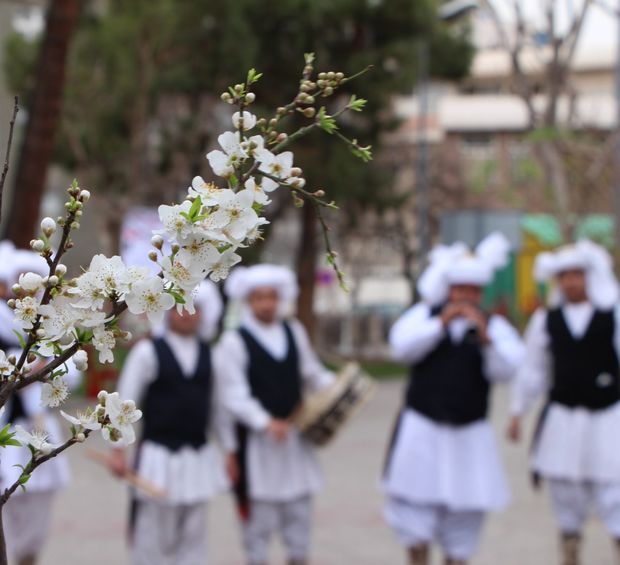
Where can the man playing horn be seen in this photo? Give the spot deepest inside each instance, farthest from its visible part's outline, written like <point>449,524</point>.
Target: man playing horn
<point>443,472</point>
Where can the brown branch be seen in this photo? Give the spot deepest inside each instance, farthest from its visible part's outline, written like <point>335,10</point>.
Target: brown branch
<point>36,462</point>
<point>5,168</point>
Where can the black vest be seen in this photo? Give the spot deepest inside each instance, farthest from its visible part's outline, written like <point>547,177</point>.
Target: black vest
<point>177,408</point>
<point>275,384</point>
<point>585,370</point>
<point>448,385</point>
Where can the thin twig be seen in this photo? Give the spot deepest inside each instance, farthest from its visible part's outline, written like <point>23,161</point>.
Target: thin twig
<point>34,463</point>
<point>5,168</point>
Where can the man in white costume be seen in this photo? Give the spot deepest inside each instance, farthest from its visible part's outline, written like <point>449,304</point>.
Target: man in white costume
<point>265,367</point>
<point>573,347</point>
<point>171,378</point>
<point>443,472</point>
<point>27,515</point>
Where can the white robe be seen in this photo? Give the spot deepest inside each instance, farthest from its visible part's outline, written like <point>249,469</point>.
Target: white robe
<point>574,444</point>
<point>188,475</point>
<point>457,467</point>
<point>277,471</point>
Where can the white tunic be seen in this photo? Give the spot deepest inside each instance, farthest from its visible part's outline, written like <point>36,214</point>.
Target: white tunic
<point>188,475</point>
<point>277,471</point>
<point>453,466</point>
<point>574,443</point>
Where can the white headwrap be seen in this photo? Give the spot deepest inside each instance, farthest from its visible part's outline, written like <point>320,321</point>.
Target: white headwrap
<point>601,284</point>
<point>243,280</point>
<point>208,299</point>
<point>456,264</point>
<point>24,261</point>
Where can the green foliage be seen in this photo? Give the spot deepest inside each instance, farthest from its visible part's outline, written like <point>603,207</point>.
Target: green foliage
<point>7,437</point>
<point>124,61</point>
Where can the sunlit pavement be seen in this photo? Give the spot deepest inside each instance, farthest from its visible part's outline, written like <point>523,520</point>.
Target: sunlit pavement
<point>90,516</point>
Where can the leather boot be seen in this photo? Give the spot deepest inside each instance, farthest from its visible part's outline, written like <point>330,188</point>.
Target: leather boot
<point>570,549</point>
<point>418,555</point>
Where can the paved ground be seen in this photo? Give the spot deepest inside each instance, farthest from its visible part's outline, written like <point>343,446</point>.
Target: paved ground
<point>89,517</point>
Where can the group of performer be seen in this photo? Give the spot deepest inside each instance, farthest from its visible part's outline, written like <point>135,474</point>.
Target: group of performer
<point>443,472</point>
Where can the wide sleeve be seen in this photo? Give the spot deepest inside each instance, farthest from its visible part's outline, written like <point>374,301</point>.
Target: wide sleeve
<point>139,371</point>
<point>532,379</point>
<point>222,420</point>
<point>415,334</point>
<point>506,352</point>
<point>314,374</point>
<point>230,361</point>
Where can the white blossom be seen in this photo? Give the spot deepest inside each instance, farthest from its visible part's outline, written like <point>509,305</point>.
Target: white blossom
<point>199,252</point>
<point>148,296</point>
<point>235,209</point>
<point>80,360</point>
<point>48,226</point>
<point>226,261</point>
<point>207,191</point>
<point>37,439</point>
<point>182,271</point>
<point>6,367</point>
<point>224,162</point>
<point>26,311</point>
<point>249,120</point>
<point>122,415</point>
<point>174,222</point>
<point>58,318</point>
<point>31,282</point>
<point>278,166</point>
<point>257,191</point>
<point>86,419</point>
<point>104,342</point>
<point>54,392</point>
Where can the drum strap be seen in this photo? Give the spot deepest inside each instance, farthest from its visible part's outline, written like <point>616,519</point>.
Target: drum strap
<point>241,490</point>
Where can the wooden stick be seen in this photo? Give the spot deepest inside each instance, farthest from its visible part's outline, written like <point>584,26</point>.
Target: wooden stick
<point>130,477</point>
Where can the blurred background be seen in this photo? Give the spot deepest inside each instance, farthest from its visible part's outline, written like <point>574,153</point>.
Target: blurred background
<point>483,115</point>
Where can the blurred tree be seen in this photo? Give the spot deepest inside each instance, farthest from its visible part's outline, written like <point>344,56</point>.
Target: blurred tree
<point>145,78</point>
<point>45,104</point>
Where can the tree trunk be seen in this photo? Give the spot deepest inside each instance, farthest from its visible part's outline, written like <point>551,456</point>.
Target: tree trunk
<point>45,109</point>
<point>306,268</point>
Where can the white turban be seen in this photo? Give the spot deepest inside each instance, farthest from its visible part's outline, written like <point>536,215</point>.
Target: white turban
<point>456,264</point>
<point>208,299</point>
<point>23,261</point>
<point>601,284</point>
<point>243,280</point>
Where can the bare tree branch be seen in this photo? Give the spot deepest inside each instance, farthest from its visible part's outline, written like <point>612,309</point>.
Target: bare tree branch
<point>5,168</point>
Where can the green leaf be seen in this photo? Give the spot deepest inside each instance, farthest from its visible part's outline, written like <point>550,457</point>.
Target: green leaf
<point>326,122</point>
<point>20,337</point>
<point>24,479</point>
<point>178,297</point>
<point>253,76</point>
<point>356,104</point>
<point>233,181</point>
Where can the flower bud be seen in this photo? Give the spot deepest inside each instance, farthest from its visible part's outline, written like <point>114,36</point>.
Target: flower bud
<point>126,336</point>
<point>295,171</point>
<point>153,256</point>
<point>298,202</point>
<point>281,136</point>
<point>37,245</point>
<point>31,358</point>
<point>261,123</point>
<point>331,75</point>
<point>238,88</point>
<point>84,195</point>
<point>17,289</point>
<point>53,281</point>
<point>10,303</point>
<point>328,91</point>
<point>298,182</point>
<point>48,226</point>
<point>309,112</point>
<point>157,241</point>
<point>226,97</point>
<point>273,122</point>
<point>61,270</point>
<point>75,225</point>
<point>281,110</point>
<point>319,193</point>
<point>40,333</point>
<point>12,359</point>
<point>80,437</point>
<point>322,76</point>
<point>175,248</point>
<point>250,97</point>
<point>103,394</point>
